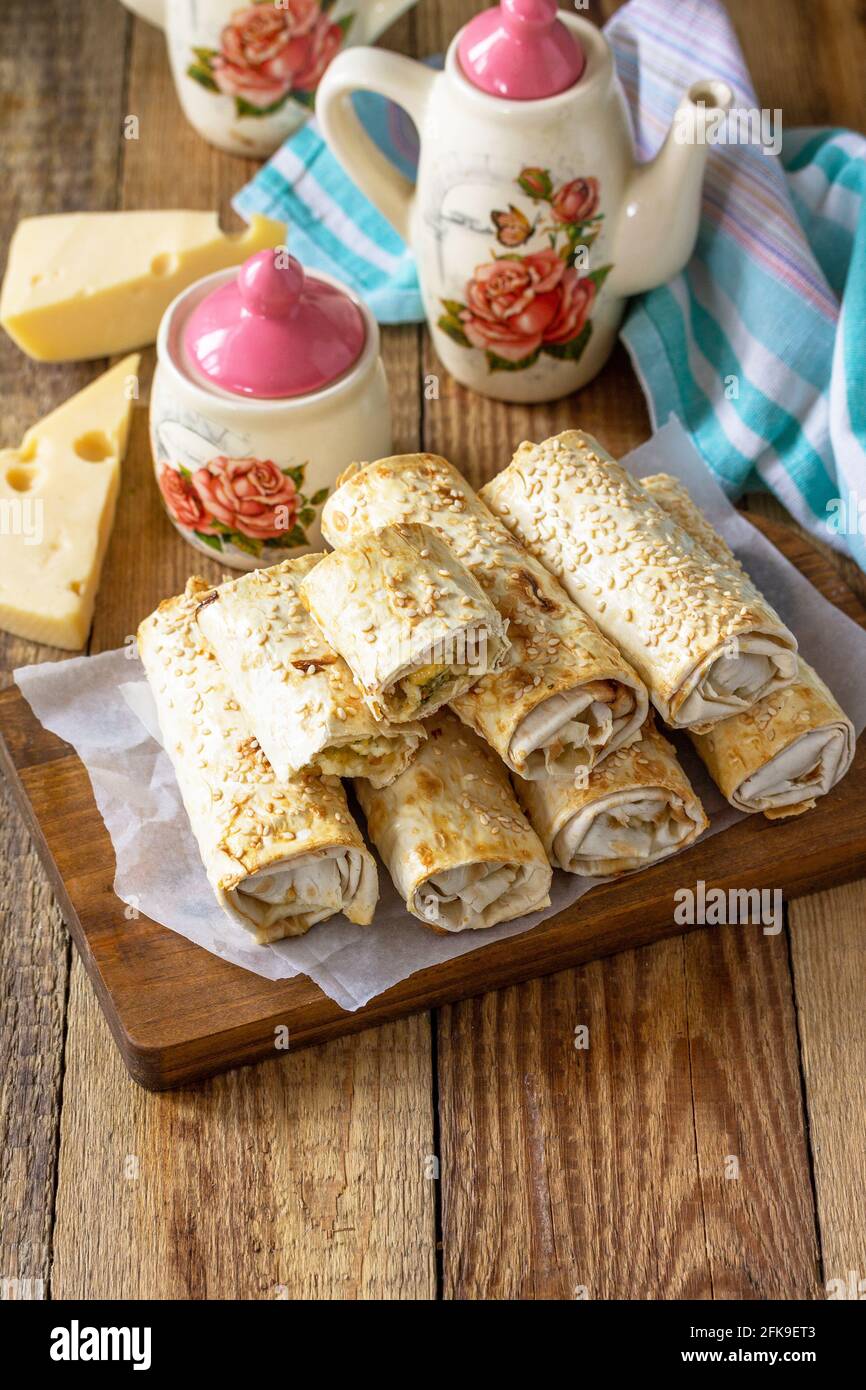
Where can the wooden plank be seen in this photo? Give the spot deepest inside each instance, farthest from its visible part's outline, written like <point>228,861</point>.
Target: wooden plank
<point>178,1012</point>
<point>300,1180</point>
<point>755,1186</point>
<point>828,949</point>
<point>34,966</point>
<point>61,124</point>
<point>813,84</point>
<point>547,1192</point>
<point>303,1180</point>
<point>44,88</point>
<point>601,1171</point>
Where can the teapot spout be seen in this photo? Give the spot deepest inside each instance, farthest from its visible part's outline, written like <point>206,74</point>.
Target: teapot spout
<point>658,225</point>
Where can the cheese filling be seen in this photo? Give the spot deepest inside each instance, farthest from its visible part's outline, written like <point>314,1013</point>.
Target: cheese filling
<point>352,759</point>
<point>413,693</point>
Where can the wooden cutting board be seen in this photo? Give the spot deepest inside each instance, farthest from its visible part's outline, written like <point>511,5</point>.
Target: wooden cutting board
<point>178,1013</point>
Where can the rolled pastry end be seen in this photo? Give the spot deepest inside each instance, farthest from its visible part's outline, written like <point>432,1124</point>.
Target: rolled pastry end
<point>790,749</point>
<point>381,757</point>
<point>633,811</point>
<point>570,732</point>
<point>459,849</point>
<point>703,639</point>
<point>412,623</point>
<point>752,665</point>
<point>749,667</point>
<point>287,899</point>
<point>782,756</point>
<point>280,855</point>
<point>473,896</point>
<point>563,697</point>
<point>296,691</point>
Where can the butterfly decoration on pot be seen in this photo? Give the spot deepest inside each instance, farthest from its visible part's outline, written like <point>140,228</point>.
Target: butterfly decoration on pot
<point>520,304</point>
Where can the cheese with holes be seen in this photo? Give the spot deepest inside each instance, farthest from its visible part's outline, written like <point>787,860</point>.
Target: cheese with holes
<point>91,284</point>
<point>58,493</point>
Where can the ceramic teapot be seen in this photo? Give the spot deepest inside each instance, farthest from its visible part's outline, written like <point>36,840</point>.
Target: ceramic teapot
<point>530,220</point>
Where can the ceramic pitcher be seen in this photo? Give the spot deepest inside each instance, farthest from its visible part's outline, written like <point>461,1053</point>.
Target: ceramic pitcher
<point>246,74</point>
<point>530,220</point>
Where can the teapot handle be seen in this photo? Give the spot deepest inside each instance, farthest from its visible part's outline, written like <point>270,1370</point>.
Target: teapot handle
<point>390,75</point>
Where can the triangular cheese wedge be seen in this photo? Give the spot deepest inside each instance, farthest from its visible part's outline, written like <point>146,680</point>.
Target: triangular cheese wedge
<point>92,284</point>
<point>58,493</point>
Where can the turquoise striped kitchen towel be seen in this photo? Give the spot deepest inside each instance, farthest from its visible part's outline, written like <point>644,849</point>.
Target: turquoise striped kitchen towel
<point>759,347</point>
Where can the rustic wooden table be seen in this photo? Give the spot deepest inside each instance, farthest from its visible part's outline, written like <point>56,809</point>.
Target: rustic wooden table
<point>472,1152</point>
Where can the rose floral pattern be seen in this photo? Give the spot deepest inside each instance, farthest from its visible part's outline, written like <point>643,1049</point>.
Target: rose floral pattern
<point>521,304</point>
<point>270,52</point>
<point>249,503</point>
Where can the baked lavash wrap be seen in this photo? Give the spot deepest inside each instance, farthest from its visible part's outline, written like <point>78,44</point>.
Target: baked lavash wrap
<point>563,698</point>
<point>298,694</point>
<point>456,844</point>
<point>636,808</point>
<point>701,636</point>
<point>412,624</point>
<point>280,856</point>
<point>783,754</point>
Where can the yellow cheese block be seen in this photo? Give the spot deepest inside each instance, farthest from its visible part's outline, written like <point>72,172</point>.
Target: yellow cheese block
<point>58,493</point>
<point>91,284</point>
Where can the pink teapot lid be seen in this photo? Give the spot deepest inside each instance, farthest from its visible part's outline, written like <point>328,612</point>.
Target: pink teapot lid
<point>520,50</point>
<point>273,331</point>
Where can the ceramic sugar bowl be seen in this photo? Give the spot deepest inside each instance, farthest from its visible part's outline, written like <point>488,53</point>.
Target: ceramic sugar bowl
<point>531,220</point>
<point>268,384</point>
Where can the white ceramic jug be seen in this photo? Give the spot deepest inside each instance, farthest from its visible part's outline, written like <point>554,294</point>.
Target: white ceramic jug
<point>530,220</point>
<point>246,74</point>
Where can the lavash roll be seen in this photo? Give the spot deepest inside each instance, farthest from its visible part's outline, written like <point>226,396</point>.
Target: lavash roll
<point>674,498</point>
<point>702,637</point>
<point>460,851</point>
<point>783,754</point>
<point>280,856</point>
<point>412,624</point>
<point>563,698</point>
<point>298,693</point>
<point>636,809</point>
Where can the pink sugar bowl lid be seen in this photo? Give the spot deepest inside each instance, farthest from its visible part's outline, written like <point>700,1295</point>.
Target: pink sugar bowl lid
<point>521,50</point>
<point>274,332</point>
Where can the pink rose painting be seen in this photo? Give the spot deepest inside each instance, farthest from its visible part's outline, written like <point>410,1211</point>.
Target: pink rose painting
<point>520,304</point>
<point>247,495</point>
<point>269,52</point>
<point>576,201</point>
<point>181,499</point>
<point>249,503</point>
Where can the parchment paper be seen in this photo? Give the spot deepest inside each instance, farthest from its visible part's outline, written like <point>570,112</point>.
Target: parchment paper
<point>103,707</point>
